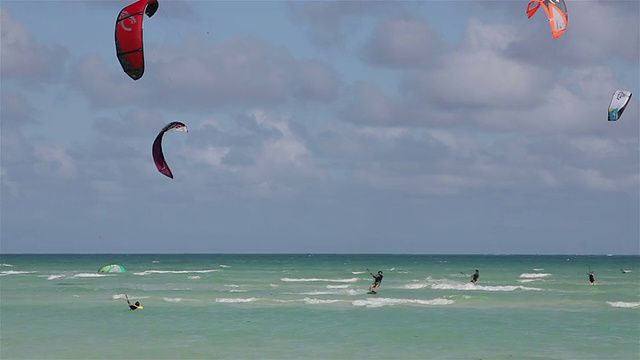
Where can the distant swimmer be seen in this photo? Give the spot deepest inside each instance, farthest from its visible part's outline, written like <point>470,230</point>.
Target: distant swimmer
<point>474,277</point>
<point>134,306</point>
<point>592,278</point>
<point>377,281</point>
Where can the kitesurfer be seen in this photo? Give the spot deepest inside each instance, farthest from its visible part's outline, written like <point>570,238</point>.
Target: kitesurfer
<point>474,277</point>
<point>592,278</point>
<point>135,306</point>
<point>377,281</point>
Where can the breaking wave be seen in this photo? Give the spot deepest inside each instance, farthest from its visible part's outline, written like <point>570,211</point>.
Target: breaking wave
<point>622,304</point>
<point>77,276</point>
<point>394,302</point>
<point>534,276</point>
<point>351,280</point>
<point>235,300</point>
<point>312,301</point>
<point>11,272</point>
<point>337,286</point>
<point>149,272</point>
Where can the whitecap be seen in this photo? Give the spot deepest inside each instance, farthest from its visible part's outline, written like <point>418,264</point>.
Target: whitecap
<point>148,272</point>
<point>196,277</point>
<point>172,300</point>
<point>337,286</point>
<point>225,266</point>
<point>55,277</point>
<point>235,300</point>
<point>89,275</point>
<point>11,272</point>
<point>350,292</point>
<point>318,293</point>
<point>534,276</point>
<point>8,265</point>
<point>323,280</point>
<point>475,287</point>
<point>311,301</point>
<point>378,302</point>
<point>415,286</point>
<point>235,288</point>
<point>622,304</point>
<point>538,269</point>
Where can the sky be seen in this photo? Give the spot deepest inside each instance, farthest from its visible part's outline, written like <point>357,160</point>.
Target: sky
<point>405,127</point>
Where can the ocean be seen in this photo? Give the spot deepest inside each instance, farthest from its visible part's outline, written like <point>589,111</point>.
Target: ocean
<point>308,306</point>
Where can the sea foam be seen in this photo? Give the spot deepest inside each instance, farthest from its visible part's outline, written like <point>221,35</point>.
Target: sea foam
<point>475,287</point>
<point>173,300</point>
<point>337,286</point>
<point>322,280</point>
<point>534,276</point>
<point>89,275</point>
<point>11,272</point>
<point>312,301</point>
<point>415,286</point>
<point>378,302</point>
<point>235,300</point>
<point>622,304</point>
<point>349,292</point>
<point>149,272</point>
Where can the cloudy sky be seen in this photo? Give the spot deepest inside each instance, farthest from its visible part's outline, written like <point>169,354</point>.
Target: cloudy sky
<point>321,127</point>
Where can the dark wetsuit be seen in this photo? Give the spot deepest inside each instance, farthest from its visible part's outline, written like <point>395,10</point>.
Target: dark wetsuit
<point>378,280</point>
<point>592,279</point>
<point>475,277</point>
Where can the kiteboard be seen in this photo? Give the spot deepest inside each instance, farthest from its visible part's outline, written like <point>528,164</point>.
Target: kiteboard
<point>372,292</point>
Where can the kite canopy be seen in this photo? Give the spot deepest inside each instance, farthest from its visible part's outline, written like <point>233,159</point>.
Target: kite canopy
<point>129,47</point>
<point>556,13</point>
<point>112,269</point>
<point>618,103</point>
<point>156,149</point>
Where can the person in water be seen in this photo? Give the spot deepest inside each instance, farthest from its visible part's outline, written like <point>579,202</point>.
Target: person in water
<point>135,306</point>
<point>474,277</point>
<point>592,278</point>
<point>377,280</point>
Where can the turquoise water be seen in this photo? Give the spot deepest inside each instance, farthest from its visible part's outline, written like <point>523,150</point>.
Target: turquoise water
<point>316,307</point>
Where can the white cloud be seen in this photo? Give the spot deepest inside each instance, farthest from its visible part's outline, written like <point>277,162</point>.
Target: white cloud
<point>401,42</point>
<point>329,23</point>
<point>210,155</point>
<point>597,31</point>
<point>23,58</point>
<point>102,86</point>
<point>53,160</point>
<point>479,75</point>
